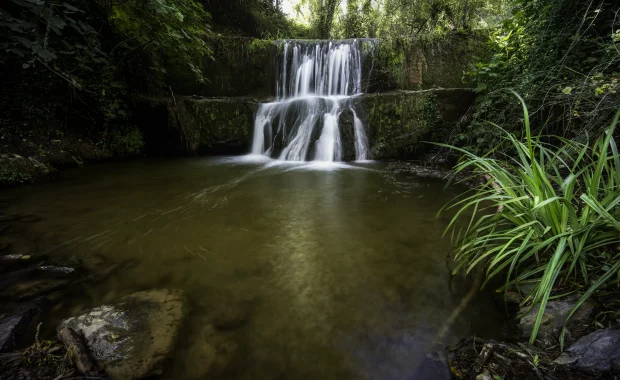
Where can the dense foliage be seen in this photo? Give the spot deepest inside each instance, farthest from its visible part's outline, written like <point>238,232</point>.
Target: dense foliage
<point>563,56</point>
<point>554,219</point>
<point>253,18</point>
<point>72,67</point>
<point>397,18</point>
<point>77,61</point>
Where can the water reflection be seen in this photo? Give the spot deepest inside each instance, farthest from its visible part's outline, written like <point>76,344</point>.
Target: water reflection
<point>292,270</point>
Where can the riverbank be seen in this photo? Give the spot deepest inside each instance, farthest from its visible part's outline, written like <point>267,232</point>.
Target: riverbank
<point>592,350</point>
<point>591,336</point>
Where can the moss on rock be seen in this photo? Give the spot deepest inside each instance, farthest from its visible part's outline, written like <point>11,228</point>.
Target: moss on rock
<point>424,63</point>
<point>216,124</point>
<point>398,122</point>
<point>239,67</point>
<point>196,125</point>
<point>16,169</point>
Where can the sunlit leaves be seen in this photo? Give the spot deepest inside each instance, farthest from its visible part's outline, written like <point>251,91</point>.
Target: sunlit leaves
<point>174,32</point>
<point>562,55</point>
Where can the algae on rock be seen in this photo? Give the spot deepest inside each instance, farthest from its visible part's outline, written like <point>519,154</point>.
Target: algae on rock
<point>425,63</point>
<point>398,122</point>
<point>195,125</point>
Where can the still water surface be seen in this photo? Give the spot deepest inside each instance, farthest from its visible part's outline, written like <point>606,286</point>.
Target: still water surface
<point>293,271</point>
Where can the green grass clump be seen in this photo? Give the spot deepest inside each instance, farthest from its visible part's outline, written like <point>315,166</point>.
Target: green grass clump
<point>555,220</point>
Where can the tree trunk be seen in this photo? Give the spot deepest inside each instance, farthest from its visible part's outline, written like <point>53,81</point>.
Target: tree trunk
<point>328,8</point>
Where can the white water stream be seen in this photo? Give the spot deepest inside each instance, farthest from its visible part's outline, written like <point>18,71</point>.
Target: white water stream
<point>315,81</point>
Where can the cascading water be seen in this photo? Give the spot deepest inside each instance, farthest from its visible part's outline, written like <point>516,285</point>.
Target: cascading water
<point>315,82</point>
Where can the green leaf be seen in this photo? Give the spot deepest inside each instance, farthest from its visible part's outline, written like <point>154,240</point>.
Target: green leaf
<point>71,7</point>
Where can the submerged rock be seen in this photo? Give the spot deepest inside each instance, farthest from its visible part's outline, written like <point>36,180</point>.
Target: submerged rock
<point>91,261</point>
<point>554,317</point>
<point>598,352</point>
<point>34,288</point>
<point>419,170</point>
<point>209,354</point>
<point>232,312</point>
<point>14,323</point>
<point>132,337</point>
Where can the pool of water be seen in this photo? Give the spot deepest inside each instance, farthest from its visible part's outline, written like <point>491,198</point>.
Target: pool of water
<point>292,271</point>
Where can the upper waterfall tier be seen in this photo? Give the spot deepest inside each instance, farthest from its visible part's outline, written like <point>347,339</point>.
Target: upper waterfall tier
<point>315,80</point>
<point>324,68</point>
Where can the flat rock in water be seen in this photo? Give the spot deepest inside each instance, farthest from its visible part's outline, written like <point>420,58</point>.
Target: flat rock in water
<point>554,317</point>
<point>14,323</point>
<point>598,352</point>
<point>132,337</point>
<point>34,288</point>
<point>232,312</point>
<point>89,260</point>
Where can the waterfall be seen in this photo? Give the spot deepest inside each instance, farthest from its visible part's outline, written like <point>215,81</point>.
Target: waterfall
<point>316,81</point>
<point>361,141</point>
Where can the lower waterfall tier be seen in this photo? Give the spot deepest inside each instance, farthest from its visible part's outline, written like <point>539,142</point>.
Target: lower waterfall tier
<point>310,128</point>
<point>395,123</point>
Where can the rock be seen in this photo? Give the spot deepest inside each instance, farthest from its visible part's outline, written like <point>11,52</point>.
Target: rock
<point>197,125</point>
<point>16,169</point>
<point>554,318</point>
<point>15,257</point>
<point>133,336</point>
<point>511,298</point>
<point>475,359</point>
<point>104,273</point>
<point>399,121</point>
<point>418,170</point>
<point>484,376</point>
<point>232,313</point>
<point>55,269</point>
<point>91,261</point>
<point>34,288</point>
<point>34,280</point>
<point>346,126</point>
<point>598,352</point>
<point>14,323</point>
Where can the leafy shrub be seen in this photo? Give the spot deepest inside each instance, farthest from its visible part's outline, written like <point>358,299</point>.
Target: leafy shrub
<point>557,216</point>
<point>124,140</point>
<point>563,56</point>
<point>74,64</point>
